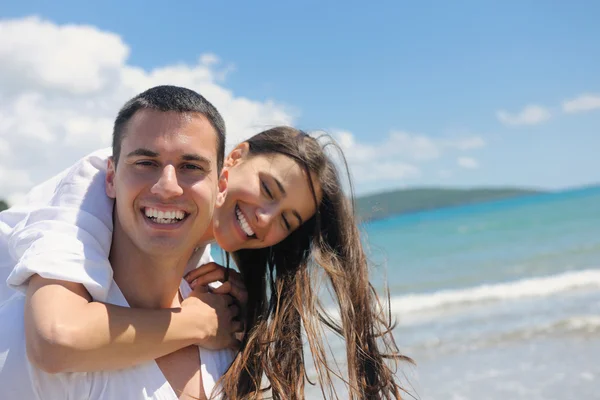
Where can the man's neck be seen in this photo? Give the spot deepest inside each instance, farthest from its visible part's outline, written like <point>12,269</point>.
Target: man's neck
<point>145,280</point>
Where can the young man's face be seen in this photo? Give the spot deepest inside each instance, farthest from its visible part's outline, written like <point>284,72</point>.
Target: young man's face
<point>165,183</point>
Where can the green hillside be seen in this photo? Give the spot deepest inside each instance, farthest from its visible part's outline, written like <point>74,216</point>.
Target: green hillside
<point>403,201</point>
<point>3,205</point>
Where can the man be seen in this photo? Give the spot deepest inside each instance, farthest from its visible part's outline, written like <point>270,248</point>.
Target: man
<point>167,149</point>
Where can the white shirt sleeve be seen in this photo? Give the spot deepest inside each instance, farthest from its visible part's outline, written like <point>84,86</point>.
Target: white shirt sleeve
<point>68,232</point>
<point>8,220</point>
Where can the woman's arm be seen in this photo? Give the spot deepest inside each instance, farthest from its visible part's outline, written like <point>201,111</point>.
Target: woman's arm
<point>66,332</point>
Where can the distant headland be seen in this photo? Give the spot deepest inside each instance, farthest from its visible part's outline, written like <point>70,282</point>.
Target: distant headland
<point>404,201</point>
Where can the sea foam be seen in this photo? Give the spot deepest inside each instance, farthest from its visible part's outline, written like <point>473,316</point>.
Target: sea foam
<point>526,288</point>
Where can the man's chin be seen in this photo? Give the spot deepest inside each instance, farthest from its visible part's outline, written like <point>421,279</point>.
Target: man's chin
<point>162,246</point>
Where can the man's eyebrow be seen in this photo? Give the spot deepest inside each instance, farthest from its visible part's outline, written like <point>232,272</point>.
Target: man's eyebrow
<point>195,157</point>
<point>143,153</point>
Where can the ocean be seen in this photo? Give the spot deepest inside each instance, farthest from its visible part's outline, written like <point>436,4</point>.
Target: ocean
<point>497,300</point>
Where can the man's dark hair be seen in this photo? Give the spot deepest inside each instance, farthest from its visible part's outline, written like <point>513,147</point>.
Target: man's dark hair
<point>169,98</point>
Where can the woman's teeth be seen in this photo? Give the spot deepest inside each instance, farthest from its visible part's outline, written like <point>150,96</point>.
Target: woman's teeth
<point>243,223</point>
<point>164,217</point>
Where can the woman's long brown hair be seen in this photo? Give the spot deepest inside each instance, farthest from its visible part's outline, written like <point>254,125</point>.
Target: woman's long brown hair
<point>283,284</point>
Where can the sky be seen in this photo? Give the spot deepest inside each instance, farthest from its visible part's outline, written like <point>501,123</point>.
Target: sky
<point>454,94</point>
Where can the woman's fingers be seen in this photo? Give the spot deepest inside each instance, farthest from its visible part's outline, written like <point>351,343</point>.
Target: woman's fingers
<point>209,277</point>
<point>235,311</point>
<point>239,293</point>
<point>212,272</point>
<point>202,270</point>
<point>218,276</point>
<point>238,327</point>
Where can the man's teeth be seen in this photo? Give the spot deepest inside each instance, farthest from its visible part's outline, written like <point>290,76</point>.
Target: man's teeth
<point>164,217</point>
<point>243,223</point>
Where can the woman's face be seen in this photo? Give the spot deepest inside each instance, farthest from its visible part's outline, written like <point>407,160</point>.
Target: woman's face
<point>267,198</point>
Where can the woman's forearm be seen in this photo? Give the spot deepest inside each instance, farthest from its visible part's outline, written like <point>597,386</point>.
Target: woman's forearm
<point>67,333</point>
<point>113,337</point>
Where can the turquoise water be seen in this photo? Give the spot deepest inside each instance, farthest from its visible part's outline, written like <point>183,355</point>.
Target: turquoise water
<point>490,242</point>
<point>497,300</point>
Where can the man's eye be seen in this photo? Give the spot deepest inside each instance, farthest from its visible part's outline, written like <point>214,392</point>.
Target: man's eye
<point>144,163</point>
<point>266,189</point>
<point>193,167</point>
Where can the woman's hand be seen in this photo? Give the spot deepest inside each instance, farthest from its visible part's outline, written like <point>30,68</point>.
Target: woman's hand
<point>215,317</point>
<point>231,282</point>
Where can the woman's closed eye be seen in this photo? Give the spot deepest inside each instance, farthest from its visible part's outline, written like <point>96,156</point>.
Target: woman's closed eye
<point>287,225</point>
<point>266,190</point>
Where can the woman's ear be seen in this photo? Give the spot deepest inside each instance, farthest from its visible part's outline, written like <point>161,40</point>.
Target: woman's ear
<point>222,187</point>
<point>237,154</point>
<point>110,178</point>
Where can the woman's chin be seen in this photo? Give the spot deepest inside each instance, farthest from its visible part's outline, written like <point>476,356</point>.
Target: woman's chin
<point>228,246</point>
<point>230,249</point>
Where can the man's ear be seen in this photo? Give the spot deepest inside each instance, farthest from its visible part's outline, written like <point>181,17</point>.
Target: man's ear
<point>110,178</point>
<point>237,154</point>
<point>222,187</point>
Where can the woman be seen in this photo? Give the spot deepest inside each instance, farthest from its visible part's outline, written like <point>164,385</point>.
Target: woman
<point>279,270</point>
<point>328,243</point>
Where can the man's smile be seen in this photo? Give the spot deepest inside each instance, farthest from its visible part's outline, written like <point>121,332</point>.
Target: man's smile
<point>165,217</point>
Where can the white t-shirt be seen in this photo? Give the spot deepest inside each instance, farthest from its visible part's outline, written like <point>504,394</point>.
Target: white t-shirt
<point>19,379</point>
<point>63,230</point>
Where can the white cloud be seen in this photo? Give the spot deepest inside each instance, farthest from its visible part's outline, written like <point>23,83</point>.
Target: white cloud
<point>530,115</point>
<point>585,102</point>
<point>76,59</point>
<point>209,59</point>
<point>467,143</point>
<point>467,162</point>
<point>386,171</point>
<point>414,146</point>
<point>62,85</point>
<point>355,153</point>
<point>399,157</point>
<point>4,148</point>
<point>18,179</point>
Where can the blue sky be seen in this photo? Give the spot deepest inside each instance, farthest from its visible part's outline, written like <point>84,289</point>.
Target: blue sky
<point>433,70</point>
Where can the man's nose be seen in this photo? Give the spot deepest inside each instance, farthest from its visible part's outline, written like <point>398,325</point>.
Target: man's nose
<point>167,185</point>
